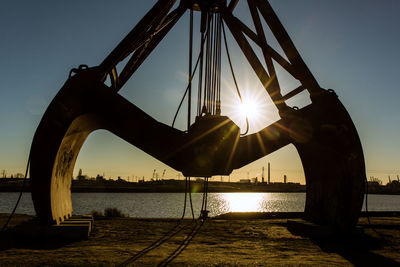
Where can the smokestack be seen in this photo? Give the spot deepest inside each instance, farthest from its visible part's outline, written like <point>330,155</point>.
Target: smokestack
<point>262,176</point>
<point>398,178</point>
<point>269,174</point>
<point>389,179</point>
<point>284,179</point>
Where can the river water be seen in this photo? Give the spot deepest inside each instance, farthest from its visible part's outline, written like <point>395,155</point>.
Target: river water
<point>170,205</point>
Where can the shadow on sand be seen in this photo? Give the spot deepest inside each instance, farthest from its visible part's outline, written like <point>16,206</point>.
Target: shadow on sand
<point>356,247</point>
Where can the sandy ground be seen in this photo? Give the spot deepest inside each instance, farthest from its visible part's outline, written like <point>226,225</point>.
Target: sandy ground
<point>223,242</point>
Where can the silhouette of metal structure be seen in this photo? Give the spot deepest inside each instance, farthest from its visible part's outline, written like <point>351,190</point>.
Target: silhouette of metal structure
<point>322,132</point>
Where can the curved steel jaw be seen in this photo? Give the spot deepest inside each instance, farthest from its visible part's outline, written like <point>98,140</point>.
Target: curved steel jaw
<point>323,132</point>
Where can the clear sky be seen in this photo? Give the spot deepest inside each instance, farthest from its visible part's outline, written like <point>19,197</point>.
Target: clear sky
<point>350,46</point>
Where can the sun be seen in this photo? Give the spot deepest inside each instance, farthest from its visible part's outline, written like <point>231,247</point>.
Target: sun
<point>254,105</point>
<point>249,108</point>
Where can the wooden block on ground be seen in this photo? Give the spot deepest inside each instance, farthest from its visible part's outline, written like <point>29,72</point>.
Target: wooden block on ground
<point>69,231</point>
<point>88,224</point>
<point>84,218</point>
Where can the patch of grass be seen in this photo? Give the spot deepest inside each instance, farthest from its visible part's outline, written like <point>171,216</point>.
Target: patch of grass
<point>113,212</point>
<point>96,214</point>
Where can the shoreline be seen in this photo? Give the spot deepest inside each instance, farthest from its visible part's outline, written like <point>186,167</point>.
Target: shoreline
<point>246,215</point>
<point>178,186</point>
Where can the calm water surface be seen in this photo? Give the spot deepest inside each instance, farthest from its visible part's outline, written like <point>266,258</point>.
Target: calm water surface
<point>170,205</point>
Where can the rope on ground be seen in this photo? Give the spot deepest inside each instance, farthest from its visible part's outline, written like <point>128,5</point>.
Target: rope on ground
<point>196,228</point>
<point>168,235</point>
<point>183,244</point>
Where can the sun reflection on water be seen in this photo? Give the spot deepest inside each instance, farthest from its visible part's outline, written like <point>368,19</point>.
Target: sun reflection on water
<point>244,202</point>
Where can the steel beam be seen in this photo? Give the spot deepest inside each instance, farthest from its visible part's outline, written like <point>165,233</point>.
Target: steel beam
<point>254,62</point>
<point>136,35</point>
<point>261,35</point>
<point>145,50</point>
<point>287,45</point>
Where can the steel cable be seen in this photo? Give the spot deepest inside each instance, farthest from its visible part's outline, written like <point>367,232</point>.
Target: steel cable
<point>19,196</point>
<point>234,79</point>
